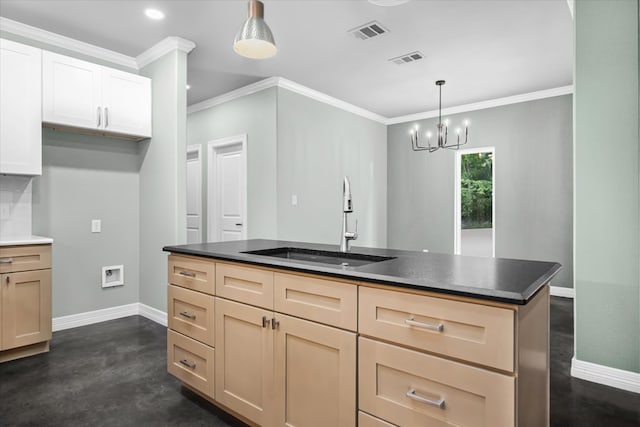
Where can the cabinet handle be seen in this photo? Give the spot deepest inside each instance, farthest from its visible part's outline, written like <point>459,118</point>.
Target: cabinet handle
<point>99,116</point>
<point>8,279</point>
<point>411,394</point>
<point>6,260</point>
<point>275,324</point>
<point>187,315</point>
<point>186,363</point>
<point>187,273</point>
<point>106,117</point>
<point>430,326</point>
<point>265,321</point>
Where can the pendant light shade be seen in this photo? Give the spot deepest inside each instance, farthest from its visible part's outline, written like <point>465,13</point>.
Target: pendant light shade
<point>254,39</point>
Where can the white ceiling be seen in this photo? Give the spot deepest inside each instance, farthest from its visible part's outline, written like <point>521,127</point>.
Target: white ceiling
<point>484,49</point>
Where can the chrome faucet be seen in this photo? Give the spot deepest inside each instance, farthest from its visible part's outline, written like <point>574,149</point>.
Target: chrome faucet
<point>347,207</point>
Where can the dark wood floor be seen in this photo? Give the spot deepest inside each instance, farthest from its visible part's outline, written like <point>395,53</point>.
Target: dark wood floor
<point>114,374</point>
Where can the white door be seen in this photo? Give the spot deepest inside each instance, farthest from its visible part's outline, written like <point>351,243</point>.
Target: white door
<point>227,189</point>
<point>194,194</point>
<point>71,91</point>
<point>20,109</point>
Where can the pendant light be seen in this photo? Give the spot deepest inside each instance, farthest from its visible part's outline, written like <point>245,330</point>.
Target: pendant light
<point>254,39</point>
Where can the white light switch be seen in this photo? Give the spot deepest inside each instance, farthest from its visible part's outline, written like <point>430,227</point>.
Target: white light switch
<point>96,225</point>
<point>294,200</point>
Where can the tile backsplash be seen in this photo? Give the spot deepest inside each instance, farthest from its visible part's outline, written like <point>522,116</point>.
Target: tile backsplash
<point>15,206</point>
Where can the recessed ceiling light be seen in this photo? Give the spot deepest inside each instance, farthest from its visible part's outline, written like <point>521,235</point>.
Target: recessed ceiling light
<point>154,14</point>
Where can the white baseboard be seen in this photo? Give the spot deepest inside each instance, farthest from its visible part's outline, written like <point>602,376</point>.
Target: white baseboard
<point>559,291</point>
<point>111,313</point>
<point>91,317</point>
<point>152,314</point>
<point>618,378</point>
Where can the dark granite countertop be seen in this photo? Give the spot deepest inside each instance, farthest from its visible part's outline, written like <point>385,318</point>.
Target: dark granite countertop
<point>497,279</point>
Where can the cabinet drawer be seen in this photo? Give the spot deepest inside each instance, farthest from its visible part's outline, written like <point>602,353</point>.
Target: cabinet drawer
<point>24,258</point>
<point>324,301</point>
<point>192,273</point>
<point>191,362</point>
<point>366,420</point>
<point>467,331</point>
<point>191,313</point>
<point>249,285</point>
<point>407,388</point>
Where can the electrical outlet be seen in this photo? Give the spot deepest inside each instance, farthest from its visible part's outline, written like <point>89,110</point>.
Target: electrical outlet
<point>294,200</point>
<point>96,226</point>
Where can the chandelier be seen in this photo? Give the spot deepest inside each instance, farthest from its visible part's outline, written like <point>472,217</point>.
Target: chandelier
<point>442,132</point>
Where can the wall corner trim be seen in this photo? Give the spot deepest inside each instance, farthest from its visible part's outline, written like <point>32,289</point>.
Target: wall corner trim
<point>97,316</point>
<point>559,291</point>
<point>613,377</point>
<point>163,47</point>
<point>68,43</point>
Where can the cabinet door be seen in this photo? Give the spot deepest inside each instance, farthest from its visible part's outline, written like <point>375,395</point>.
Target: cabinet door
<point>244,360</point>
<point>315,374</point>
<point>126,99</point>
<point>20,109</point>
<point>26,308</point>
<point>72,92</point>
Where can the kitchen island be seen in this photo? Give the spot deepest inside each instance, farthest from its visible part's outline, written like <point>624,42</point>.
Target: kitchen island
<point>291,334</point>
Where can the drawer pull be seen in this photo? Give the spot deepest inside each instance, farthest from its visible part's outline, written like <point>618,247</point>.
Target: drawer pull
<point>187,315</point>
<point>186,363</point>
<point>411,394</point>
<point>430,326</point>
<point>6,260</point>
<point>187,274</point>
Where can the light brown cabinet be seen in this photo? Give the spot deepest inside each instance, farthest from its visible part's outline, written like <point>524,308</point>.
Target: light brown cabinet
<point>279,370</point>
<point>294,349</point>
<point>25,300</point>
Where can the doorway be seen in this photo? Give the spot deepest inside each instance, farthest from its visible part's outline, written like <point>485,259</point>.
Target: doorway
<point>227,189</point>
<point>475,202</point>
<point>194,194</point>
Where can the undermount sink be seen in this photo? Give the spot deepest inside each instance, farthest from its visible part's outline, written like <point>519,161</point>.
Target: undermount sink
<point>322,257</point>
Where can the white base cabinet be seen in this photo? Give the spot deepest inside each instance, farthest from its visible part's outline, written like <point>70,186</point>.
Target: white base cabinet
<point>20,109</point>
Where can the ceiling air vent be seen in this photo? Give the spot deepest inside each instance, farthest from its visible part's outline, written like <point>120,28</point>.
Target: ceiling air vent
<point>369,31</point>
<point>407,58</point>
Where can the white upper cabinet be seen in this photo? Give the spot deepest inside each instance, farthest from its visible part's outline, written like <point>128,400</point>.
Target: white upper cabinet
<point>72,91</point>
<point>20,109</point>
<point>79,94</point>
<point>126,99</point>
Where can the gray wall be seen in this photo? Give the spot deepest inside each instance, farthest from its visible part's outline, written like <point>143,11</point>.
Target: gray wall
<point>533,183</point>
<point>85,178</point>
<point>607,187</point>
<point>317,146</point>
<point>163,160</point>
<point>254,115</point>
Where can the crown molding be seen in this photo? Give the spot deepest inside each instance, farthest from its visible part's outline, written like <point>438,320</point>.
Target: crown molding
<point>234,94</point>
<point>498,102</point>
<point>289,85</point>
<point>160,49</point>
<point>68,43</point>
<point>330,100</point>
